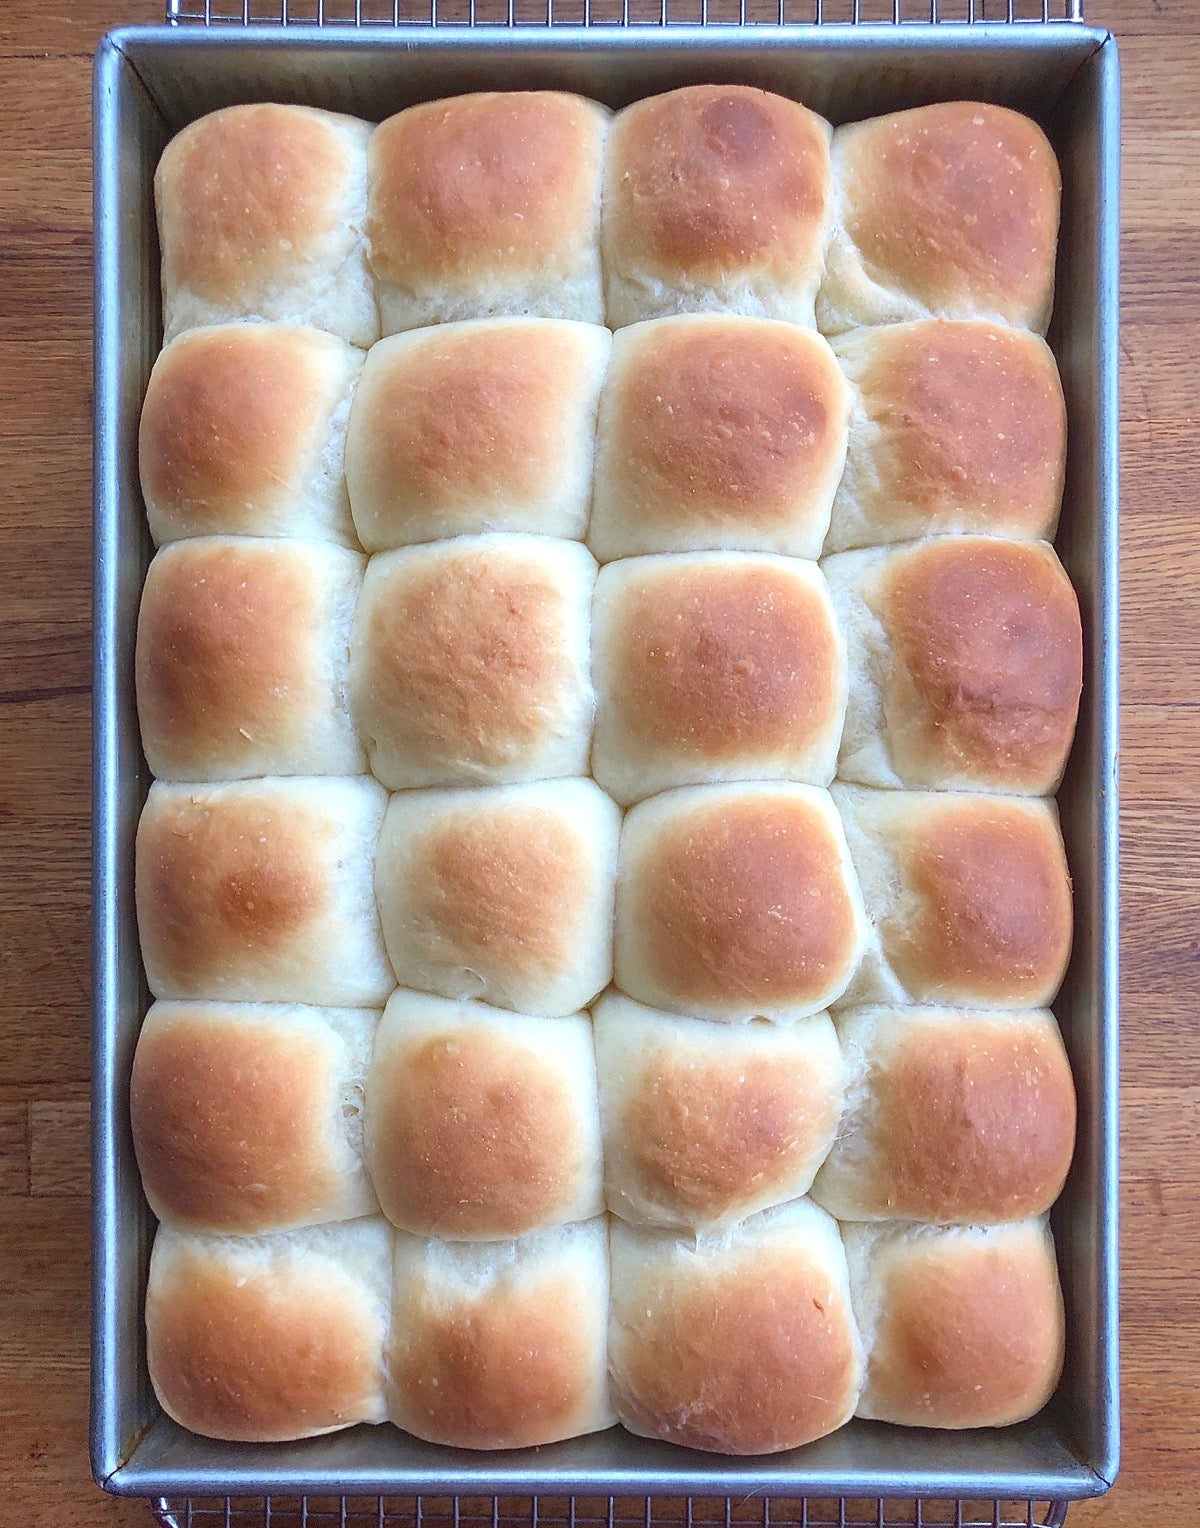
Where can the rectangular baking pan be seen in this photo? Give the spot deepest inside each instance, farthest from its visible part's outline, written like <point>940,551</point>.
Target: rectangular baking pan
<point>149,82</point>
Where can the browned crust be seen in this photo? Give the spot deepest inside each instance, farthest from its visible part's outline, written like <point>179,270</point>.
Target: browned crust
<point>969,1336</point>
<point>717,662</point>
<point>231,416</point>
<point>506,178</point>
<point>973,424</point>
<point>709,1136</point>
<point>755,1357</point>
<point>742,901</point>
<point>496,889</point>
<point>989,644</point>
<point>724,423</point>
<point>956,200</point>
<point>994,905</point>
<point>221,882</point>
<point>227,649</point>
<point>247,188</point>
<point>465,416</point>
<point>465,658</point>
<point>231,1121</point>
<point>716,178</point>
<point>971,1122</point>
<point>473,1134</point>
<point>511,1370</point>
<point>281,1354</point>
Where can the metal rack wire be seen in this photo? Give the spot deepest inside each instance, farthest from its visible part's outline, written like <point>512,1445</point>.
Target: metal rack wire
<point>603,1512</point>
<point>511,13</point>
<point>607,1512</point>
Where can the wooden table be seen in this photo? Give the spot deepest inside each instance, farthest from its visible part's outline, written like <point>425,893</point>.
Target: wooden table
<point>45,338</point>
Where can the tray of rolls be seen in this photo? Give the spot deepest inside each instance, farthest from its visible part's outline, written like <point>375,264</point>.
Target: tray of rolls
<point>605,758</point>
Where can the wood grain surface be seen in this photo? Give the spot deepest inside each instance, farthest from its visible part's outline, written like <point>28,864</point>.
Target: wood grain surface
<point>45,368</point>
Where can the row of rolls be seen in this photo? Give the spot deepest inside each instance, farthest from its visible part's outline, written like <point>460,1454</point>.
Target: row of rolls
<point>761,1338</point>
<point>708,198</point>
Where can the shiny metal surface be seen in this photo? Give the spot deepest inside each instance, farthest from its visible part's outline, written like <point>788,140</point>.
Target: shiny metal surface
<point>151,81</point>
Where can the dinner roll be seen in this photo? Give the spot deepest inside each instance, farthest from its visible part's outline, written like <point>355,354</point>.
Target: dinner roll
<point>944,211</point>
<point>248,1117</point>
<point>953,427</point>
<point>969,898</point>
<point>704,1123</point>
<point>737,902</point>
<point>966,664</point>
<point>470,661</point>
<point>261,214</point>
<point>712,667</point>
<point>718,433</point>
<point>243,432</point>
<point>243,651</point>
<point>261,891</point>
<point>743,1343</point>
<point>954,1116</point>
<point>715,197</point>
<point>476,427</point>
<point>265,1339</point>
<point>501,1344</point>
<point>503,893</point>
<point>481,1123</point>
<point>963,1326</point>
<point>488,204</point>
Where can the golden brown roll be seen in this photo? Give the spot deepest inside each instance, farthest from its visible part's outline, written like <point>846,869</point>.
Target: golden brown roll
<point>743,1343</point>
<point>243,433</point>
<point>737,902</point>
<point>476,427</point>
<point>706,1123</point>
<point>262,891</point>
<point>262,1339</point>
<point>501,1344</point>
<point>966,664</point>
<point>714,667</point>
<point>247,1117</point>
<point>488,204</point>
<point>954,427</point>
<point>480,1123</point>
<point>502,893</point>
<point>262,214</point>
<point>963,1326</point>
<point>717,433</point>
<point>470,661</point>
<point>944,211</point>
<point>715,197</point>
<point>969,898</point>
<point>955,1116</point>
<point>243,656</point>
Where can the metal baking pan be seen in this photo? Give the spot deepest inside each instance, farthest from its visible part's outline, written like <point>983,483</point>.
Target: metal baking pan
<point>150,82</point>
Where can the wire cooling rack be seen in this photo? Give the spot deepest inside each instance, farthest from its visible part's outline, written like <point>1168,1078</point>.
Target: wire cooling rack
<point>606,1512</point>
<point>602,1512</point>
<point>433,13</point>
